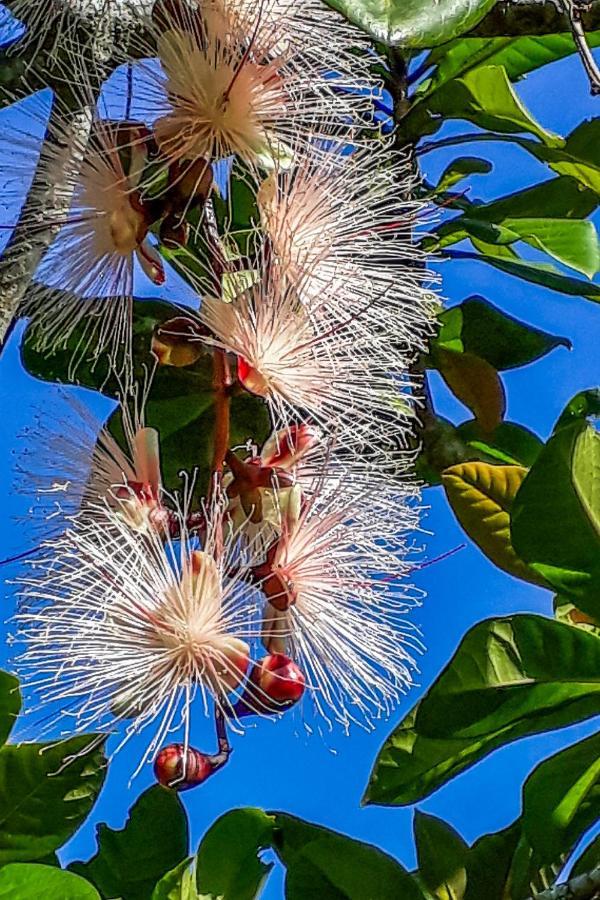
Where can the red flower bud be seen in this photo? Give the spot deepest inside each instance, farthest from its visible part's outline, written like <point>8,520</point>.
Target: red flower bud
<point>276,684</point>
<point>287,447</point>
<point>181,770</point>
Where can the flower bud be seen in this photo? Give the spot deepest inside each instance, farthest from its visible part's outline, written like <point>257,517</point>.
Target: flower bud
<point>178,342</point>
<point>276,684</point>
<point>251,379</point>
<point>285,448</point>
<point>182,769</point>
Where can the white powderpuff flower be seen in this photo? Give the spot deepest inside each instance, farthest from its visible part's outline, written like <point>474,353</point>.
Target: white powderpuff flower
<point>72,462</point>
<point>341,226</point>
<point>340,377</point>
<point>336,602</point>
<point>231,82</point>
<point>118,626</point>
<point>100,224</point>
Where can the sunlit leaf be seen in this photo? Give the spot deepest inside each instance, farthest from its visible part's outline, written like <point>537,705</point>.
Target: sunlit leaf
<point>481,496</point>
<point>508,444</point>
<point>228,865</point>
<point>441,857</point>
<point>30,881</point>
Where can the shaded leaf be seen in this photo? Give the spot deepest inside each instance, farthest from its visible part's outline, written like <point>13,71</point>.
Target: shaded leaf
<point>481,496</point>
<point>583,405</point>
<point>30,881</point>
<point>561,799</point>
<point>178,884</point>
<point>509,443</point>
<point>441,857</point>
<point>555,520</point>
<point>228,865</point>
<point>461,168</point>
<point>509,678</point>
<point>477,326</point>
<point>10,704</point>
<point>46,792</point>
<point>131,861</point>
<point>410,23</point>
<point>475,383</point>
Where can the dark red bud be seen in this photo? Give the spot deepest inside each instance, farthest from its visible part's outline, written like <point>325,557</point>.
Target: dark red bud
<point>176,768</point>
<point>276,683</point>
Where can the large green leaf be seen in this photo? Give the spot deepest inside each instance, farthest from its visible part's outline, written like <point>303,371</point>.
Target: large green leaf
<point>412,23</point>
<point>544,274</point>
<point>31,881</point>
<point>178,884</point>
<point>227,863</point>
<point>46,792</point>
<point>477,326</point>
<point>130,862</point>
<point>321,863</point>
<point>577,158</point>
<point>441,857</point>
<point>555,519</point>
<point>561,799</point>
<point>10,704</point>
<point>461,168</point>
<point>508,444</point>
<point>483,96</point>
<point>508,678</point>
<point>518,55</point>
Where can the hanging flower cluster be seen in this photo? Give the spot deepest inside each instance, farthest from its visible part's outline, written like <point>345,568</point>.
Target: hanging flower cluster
<point>281,581</point>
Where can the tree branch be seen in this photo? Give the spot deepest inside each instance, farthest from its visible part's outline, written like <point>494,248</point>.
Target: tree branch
<point>533,17</point>
<point>575,15</point>
<point>583,887</point>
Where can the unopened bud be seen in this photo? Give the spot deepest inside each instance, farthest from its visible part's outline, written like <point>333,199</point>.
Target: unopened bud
<point>178,342</point>
<point>182,769</point>
<point>287,447</point>
<point>251,378</point>
<point>276,683</point>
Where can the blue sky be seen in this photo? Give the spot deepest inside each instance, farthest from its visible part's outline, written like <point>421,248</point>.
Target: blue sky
<point>277,765</point>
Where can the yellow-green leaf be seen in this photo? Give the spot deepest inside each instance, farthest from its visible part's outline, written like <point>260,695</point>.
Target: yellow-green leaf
<point>475,383</point>
<point>481,496</point>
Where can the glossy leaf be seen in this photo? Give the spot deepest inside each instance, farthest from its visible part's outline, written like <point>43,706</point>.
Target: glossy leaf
<point>30,881</point>
<point>481,496</point>
<point>228,865</point>
<point>441,857</point>
<point>46,792</point>
<point>321,863</point>
<point>555,520</point>
<point>508,444</point>
<point>461,168</point>
<point>561,798</point>
<point>131,861</point>
<point>178,884</point>
<point>485,97</point>
<point>477,326</point>
<point>410,23</point>
<point>10,704</point>
<point>475,383</point>
<point>509,678</point>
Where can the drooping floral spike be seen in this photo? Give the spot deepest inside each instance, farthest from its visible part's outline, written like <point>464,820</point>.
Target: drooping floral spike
<point>336,602</point>
<point>337,376</point>
<point>232,81</point>
<point>341,227</point>
<point>91,168</point>
<point>121,626</point>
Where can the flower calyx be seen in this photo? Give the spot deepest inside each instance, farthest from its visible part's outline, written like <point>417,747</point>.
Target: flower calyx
<point>249,478</point>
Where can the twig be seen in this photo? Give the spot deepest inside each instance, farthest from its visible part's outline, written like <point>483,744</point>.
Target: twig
<point>535,17</point>
<point>224,752</point>
<point>575,14</point>
<point>583,887</point>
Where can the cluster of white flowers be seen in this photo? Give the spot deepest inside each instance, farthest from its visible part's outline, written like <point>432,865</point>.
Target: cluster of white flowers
<point>289,577</point>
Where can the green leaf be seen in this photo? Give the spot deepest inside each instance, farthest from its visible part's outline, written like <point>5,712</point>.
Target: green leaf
<point>46,792</point>
<point>460,168</point>
<point>178,884</point>
<point>517,56</point>
<point>474,382</point>
<point>485,97</point>
<point>577,158</point>
<point>543,274</point>
<point>477,326</point>
<point>227,863</point>
<point>321,863</point>
<point>130,862</point>
<point>572,242</point>
<point>509,678</point>
<point>410,23</point>
<point>30,881</point>
<point>561,799</point>
<point>508,444</point>
<point>555,519</point>
<point>10,704</point>
<point>584,404</point>
<point>441,857</point>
